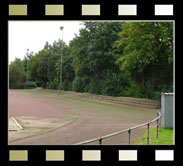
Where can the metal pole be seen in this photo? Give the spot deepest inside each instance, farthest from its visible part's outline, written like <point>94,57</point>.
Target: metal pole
<point>27,70</point>
<point>129,131</point>
<point>27,65</point>
<point>100,141</point>
<point>157,127</point>
<point>148,133</point>
<point>62,29</point>
<point>160,123</point>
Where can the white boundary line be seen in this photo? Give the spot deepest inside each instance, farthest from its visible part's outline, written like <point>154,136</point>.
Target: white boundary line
<point>17,123</point>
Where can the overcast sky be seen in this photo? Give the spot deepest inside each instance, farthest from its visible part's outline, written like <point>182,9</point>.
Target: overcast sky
<point>33,35</point>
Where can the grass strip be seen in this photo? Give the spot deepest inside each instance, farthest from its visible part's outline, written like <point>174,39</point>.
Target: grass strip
<point>165,137</point>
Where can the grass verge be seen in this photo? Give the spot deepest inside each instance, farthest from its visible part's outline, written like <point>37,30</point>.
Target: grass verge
<point>165,137</point>
<point>74,117</point>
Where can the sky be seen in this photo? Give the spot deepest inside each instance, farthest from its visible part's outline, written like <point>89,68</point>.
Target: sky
<point>33,35</point>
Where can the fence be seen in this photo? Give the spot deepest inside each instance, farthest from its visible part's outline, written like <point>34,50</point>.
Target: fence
<point>145,103</point>
<point>129,130</point>
<point>130,101</point>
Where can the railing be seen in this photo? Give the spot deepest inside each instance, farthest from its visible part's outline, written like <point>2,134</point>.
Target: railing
<point>136,102</point>
<point>129,130</point>
<point>145,103</point>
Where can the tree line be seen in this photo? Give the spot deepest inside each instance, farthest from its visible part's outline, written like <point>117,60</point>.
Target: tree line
<point>132,59</point>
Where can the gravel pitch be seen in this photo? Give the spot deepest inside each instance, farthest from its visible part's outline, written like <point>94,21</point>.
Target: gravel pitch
<point>93,119</point>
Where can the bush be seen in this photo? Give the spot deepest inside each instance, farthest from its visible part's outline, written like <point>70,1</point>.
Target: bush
<point>158,89</point>
<point>80,83</point>
<point>27,85</point>
<point>135,90</point>
<point>95,86</point>
<point>53,85</point>
<point>38,83</point>
<point>76,85</point>
<point>112,84</point>
<point>14,85</point>
<point>67,86</point>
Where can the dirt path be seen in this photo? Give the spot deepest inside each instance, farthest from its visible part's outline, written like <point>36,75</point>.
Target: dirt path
<point>94,120</point>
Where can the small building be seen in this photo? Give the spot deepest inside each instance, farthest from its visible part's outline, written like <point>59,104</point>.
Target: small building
<point>167,110</point>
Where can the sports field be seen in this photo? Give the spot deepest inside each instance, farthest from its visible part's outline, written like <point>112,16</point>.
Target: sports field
<point>52,119</point>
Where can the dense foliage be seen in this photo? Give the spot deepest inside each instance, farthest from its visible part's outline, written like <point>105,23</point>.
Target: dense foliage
<point>109,58</point>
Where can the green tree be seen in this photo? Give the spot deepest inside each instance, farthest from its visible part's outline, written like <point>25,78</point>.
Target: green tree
<point>16,73</point>
<point>38,66</point>
<point>145,49</point>
<point>44,67</point>
<point>93,55</point>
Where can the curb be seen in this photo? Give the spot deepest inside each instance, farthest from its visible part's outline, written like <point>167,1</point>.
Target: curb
<point>21,128</point>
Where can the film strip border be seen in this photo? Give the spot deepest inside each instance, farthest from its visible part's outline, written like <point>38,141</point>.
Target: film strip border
<point>49,156</point>
<point>91,10</point>
<point>86,155</point>
<point>87,9</point>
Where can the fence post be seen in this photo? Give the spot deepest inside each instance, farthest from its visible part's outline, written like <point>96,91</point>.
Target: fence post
<point>148,133</point>
<point>100,141</point>
<point>160,124</point>
<point>157,126</point>
<point>129,132</point>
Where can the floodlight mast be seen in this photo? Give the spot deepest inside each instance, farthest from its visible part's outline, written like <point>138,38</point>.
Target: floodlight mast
<point>60,90</point>
<point>27,65</point>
